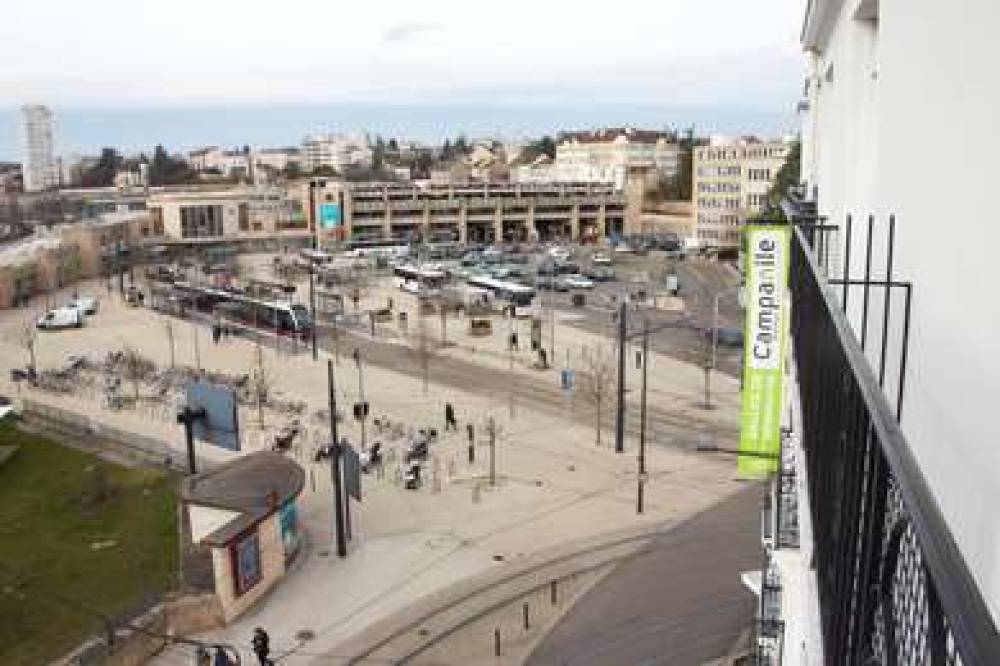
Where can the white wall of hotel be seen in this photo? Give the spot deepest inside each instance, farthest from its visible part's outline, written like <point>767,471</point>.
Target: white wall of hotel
<point>901,119</point>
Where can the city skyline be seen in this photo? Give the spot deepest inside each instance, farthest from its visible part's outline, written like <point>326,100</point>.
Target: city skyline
<point>86,131</point>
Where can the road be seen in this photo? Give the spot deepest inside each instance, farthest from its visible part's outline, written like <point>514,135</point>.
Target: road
<point>670,425</point>
<point>678,602</point>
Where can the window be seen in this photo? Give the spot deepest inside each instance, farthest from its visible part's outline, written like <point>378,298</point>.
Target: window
<point>244,217</point>
<point>201,221</point>
<point>245,555</point>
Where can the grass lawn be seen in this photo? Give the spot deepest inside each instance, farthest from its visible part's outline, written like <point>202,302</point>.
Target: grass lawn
<point>76,533</point>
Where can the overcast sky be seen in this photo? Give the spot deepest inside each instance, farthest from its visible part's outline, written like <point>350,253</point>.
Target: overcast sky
<point>118,53</point>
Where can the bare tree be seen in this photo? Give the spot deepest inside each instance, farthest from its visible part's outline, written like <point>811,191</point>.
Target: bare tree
<point>597,383</point>
<point>168,326</point>
<point>424,349</point>
<point>493,431</point>
<point>136,367</point>
<point>27,337</point>
<point>358,284</point>
<point>260,384</point>
<point>443,312</point>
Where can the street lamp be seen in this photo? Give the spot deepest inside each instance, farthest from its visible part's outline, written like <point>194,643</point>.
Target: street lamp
<point>711,364</point>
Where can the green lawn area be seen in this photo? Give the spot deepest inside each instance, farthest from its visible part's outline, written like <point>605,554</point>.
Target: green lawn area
<point>54,506</point>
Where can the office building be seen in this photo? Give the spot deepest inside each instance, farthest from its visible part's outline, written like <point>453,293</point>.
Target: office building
<point>731,182</point>
<point>38,165</point>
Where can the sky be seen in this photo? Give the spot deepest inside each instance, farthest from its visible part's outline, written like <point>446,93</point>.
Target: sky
<point>119,55</point>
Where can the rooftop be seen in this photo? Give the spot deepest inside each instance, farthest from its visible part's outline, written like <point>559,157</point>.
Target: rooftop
<point>255,485</point>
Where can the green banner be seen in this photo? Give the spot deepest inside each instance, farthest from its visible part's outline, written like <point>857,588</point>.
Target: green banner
<point>764,348</point>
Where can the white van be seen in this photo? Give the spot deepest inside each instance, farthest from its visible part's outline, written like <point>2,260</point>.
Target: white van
<point>85,304</point>
<point>61,318</point>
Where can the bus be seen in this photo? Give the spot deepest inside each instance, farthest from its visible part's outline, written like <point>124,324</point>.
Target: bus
<point>420,280</point>
<point>315,257</point>
<point>506,294</point>
<point>362,249</point>
<point>280,316</point>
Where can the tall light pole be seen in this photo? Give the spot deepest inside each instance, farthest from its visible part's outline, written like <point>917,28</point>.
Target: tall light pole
<point>361,395</point>
<point>713,353</point>
<point>620,414</point>
<point>641,478</point>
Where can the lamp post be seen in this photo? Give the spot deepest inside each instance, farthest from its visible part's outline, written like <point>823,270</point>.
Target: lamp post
<point>710,364</point>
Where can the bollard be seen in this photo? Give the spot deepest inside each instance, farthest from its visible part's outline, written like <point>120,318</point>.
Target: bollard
<point>552,592</point>
<point>527,623</point>
<point>496,642</point>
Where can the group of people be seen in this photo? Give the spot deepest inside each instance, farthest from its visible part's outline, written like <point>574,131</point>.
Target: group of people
<point>220,332</point>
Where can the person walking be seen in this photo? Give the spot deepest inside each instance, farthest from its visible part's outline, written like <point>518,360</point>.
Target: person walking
<point>221,658</point>
<point>449,417</point>
<point>261,646</point>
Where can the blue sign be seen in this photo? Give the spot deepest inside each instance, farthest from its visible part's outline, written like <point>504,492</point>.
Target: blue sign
<point>329,215</point>
<point>221,423</point>
<point>288,519</point>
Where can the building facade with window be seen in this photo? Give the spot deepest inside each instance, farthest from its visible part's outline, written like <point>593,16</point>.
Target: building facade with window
<point>731,181</point>
<point>201,216</point>
<point>885,544</point>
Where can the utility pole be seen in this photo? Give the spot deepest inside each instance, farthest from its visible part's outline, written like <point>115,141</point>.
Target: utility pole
<point>620,416</point>
<point>338,500</point>
<point>197,351</point>
<point>312,303</point>
<point>510,357</point>
<point>640,490</point>
<point>361,396</point>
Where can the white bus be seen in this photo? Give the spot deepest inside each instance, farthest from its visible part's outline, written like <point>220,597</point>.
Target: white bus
<point>505,294</point>
<point>420,280</point>
<point>316,257</point>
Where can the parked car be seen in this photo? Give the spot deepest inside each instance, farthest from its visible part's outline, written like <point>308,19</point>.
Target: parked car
<point>550,282</point>
<point>566,269</point>
<point>560,253</point>
<point>85,304</point>
<point>577,281</point>
<point>600,273</point>
<point>60,318</point>
<point>601,259</point>
<point>725,337</point>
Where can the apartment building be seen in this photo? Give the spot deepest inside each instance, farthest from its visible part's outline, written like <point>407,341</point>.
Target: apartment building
<point>38,165</point>
<point>206,216</point>
<point>213,159</point>
<point>623,148</point>
<point>335,152</point>
<point>731,182</point>
<point>485,212</point>
<point>894,333</point>
<point>547,171</point>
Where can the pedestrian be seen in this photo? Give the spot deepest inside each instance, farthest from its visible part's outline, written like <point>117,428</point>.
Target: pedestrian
<point>449,417</point>
<point>202,657</point>
<point>470,430</point>
<point>221,658</point>
<point>216,333</point>
<point>261,646</point>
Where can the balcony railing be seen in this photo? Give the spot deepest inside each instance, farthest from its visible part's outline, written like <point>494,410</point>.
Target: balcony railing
<point>893,586</point>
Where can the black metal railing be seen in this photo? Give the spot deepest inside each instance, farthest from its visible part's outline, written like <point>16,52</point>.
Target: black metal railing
<point>893,586</point>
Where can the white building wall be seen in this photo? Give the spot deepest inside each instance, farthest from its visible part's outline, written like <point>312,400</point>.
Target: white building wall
<point>905,127</point>
<point>38,165</point>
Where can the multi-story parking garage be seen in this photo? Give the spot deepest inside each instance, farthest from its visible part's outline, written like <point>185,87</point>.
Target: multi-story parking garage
<point>466,213</point>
